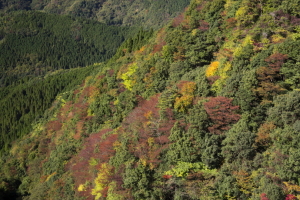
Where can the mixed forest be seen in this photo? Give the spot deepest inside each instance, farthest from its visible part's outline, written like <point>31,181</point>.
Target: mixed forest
<point>146,13</point>
<point>205,107</point>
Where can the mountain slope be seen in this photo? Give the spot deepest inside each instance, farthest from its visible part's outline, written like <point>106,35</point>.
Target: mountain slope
<point>33,43</point>
<point>146,13</point>
<point>206,109</point>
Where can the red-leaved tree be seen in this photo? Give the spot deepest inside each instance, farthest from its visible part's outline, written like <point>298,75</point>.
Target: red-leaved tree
<point>270,75</point>
<point>222,113</point>
<point>80,165</point>
<point>290,197</point>
<point>263,196</point>
<point>150,129</point>
<point>178,20</point>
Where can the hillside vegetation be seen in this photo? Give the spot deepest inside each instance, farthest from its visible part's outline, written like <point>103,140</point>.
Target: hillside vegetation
<point>61,37</point>
<point>35,44</point>
<point>206,108</point>
<point>146,13</point>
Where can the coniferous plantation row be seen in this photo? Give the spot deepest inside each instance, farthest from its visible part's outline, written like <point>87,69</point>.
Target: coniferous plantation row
<point>23,104</point>
<point>205,108</point>
<point>26,99</point>
<point>33,43</point>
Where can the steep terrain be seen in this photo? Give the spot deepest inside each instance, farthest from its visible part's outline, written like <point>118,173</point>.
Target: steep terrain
<point>206,108</point>
<point>38,38</point>
<point>146,13</point>
<point>35,44</point>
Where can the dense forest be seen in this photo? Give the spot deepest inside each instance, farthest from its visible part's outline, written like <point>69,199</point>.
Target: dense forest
<point>33,43</point>
<point>206,107</point>
<point>146,13</point>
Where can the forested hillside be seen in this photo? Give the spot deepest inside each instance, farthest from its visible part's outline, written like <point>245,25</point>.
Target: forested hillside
<point>33,43</point>
<point>146,13</point>
<point>207,107</point>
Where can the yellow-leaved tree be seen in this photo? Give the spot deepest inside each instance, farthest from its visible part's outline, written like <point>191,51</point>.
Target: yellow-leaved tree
<point>128,80</point>
<point>102,181</point>
<point>187,92</point>
<point>212,69</point>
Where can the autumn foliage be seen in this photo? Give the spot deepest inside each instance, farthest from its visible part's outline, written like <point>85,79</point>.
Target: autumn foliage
<point>54,125</point>
<point>160,119</point>
<point>263,136</point>
<point>160,41</point>
<point>152,130</point>
<point>263,196</point>
<point>222,114</point>
<point>270,75</point>
<point>178,20</point>
<point>95,150</point>
<point>212,69</point>
<point>204,26</point>
<point>186,90</point>
<point>290,197</point>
